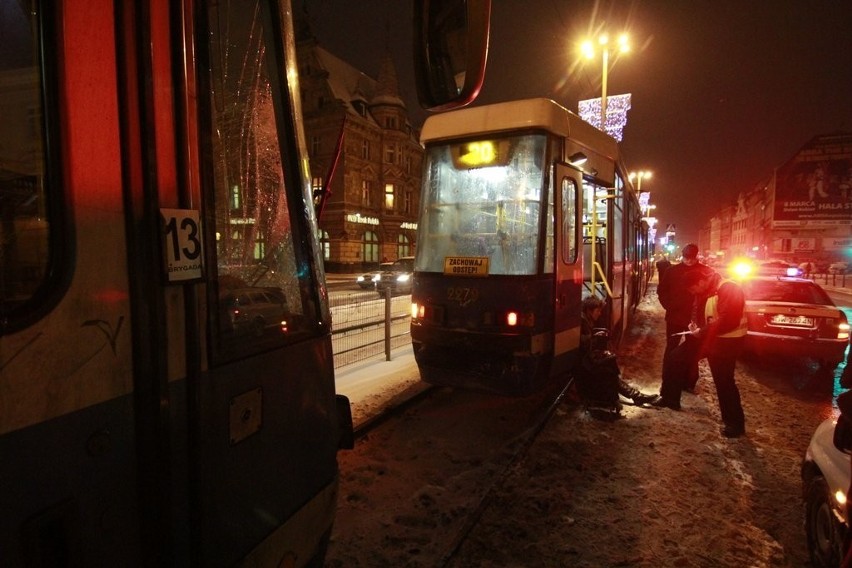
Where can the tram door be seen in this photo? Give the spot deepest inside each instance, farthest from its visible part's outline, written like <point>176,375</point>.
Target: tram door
<point>568,201</point>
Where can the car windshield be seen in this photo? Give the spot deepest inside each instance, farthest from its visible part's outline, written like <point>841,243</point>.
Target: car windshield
<point>786,291</point>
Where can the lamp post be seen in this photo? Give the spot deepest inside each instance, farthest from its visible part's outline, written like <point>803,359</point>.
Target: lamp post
<point>639,176</point>
<point>588,49</point>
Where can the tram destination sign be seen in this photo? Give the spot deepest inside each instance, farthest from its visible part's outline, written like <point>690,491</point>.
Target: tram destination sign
<point>466,265</point>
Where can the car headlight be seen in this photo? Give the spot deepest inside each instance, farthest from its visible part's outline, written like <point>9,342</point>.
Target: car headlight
<point>403,277</point>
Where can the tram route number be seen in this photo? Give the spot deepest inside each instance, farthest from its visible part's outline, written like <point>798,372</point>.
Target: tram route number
<point>182,245</point>
<point>466,265</point>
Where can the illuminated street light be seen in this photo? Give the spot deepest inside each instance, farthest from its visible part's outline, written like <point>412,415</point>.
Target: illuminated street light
<point>639,176</point>
<point>589,51</point>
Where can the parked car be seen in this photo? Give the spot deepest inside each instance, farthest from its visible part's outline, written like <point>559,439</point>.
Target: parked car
<point>838,268</point>
<point>398,278</point>
<point>826,473</point>
<point>254,310</point>
<point>794,316</point>
<point>368,280</point>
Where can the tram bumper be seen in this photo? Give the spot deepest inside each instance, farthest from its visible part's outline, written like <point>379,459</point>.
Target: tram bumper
<point>509,364</point>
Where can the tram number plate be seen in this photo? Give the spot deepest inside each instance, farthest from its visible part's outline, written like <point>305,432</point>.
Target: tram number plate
<point>466,265</point>
<point>799,321</point>
<point>182,246</point>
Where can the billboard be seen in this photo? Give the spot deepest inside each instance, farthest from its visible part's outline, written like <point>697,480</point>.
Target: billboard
<point>814,188</point>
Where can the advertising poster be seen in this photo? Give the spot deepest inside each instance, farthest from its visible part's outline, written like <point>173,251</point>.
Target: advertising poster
<point>815,187</point>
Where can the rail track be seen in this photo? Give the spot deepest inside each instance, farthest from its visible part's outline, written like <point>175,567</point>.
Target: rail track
<point>423,472</point>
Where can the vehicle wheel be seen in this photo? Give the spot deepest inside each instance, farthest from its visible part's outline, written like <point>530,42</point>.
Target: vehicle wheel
<point>825,534</point>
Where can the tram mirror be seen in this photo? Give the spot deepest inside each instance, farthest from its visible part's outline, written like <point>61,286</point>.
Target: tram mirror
<point>450,50</point>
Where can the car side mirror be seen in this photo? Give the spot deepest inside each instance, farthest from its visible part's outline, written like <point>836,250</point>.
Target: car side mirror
<point>450,50</point>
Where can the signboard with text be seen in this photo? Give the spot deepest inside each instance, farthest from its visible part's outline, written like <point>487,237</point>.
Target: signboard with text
<point>815,187</point>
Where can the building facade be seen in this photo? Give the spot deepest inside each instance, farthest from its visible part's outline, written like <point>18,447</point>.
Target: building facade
<point>359,137</point>
<point>803,211</point>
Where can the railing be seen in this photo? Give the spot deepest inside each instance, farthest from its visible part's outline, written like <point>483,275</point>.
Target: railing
<point>827,279</point>
<point>366,326</point>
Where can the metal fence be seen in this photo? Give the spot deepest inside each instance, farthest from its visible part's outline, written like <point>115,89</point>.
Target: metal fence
<point>366,326</point>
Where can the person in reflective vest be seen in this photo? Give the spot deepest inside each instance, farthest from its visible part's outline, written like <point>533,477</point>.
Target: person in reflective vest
<point>722,334</point>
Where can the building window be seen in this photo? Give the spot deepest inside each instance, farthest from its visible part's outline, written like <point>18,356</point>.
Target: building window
<point>367,193</point>
<point>407,201</point>
<point>403,246</point>
<point>365,149</point>
<point>316,145</point>
<point>370,247</point>
<point>235,197</point>
<point>408,164</point>
<point>389,196</point>
<point>390,122</point>
<point>390,153</point>
<point>325,244</point>
<point>316,189</point>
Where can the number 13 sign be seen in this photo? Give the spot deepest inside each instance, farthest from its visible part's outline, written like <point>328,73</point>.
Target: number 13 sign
<point>182,244</point>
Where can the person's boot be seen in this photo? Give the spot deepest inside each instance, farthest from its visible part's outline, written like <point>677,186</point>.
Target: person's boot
<point>641,398</point>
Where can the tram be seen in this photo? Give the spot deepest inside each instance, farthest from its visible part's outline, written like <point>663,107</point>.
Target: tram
<point>167,391</point>
<point>526,209</point>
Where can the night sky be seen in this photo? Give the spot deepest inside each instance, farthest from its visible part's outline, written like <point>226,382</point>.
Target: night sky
<point>723,91</point>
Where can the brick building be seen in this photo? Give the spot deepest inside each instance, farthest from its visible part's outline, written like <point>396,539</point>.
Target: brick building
<point>370,214</point>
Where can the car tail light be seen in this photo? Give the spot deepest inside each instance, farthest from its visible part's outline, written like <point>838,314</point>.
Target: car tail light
<point>843,331</point>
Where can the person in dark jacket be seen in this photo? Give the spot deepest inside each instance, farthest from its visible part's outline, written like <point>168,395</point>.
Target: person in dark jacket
<point>594,352</point>
<point>678,362</point>
<point>722,334</point>
<point>662,265</point>
<point>681,307</point>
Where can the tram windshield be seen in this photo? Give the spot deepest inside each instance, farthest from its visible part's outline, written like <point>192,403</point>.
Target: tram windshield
<point>483,198</point>
<point>263,283</point>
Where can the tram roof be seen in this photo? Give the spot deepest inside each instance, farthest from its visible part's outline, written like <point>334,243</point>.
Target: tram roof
<point>522,114</point>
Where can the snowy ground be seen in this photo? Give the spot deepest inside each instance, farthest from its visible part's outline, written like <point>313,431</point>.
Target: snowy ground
<point>656,488</point>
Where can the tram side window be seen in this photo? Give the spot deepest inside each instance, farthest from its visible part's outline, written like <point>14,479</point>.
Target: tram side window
<point>263,286</point>
<point>475,210</point>
<point>29,214</point>
<point>569,221</point>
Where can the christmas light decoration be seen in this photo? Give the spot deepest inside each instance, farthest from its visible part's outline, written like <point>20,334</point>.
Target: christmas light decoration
<point>616,114</point>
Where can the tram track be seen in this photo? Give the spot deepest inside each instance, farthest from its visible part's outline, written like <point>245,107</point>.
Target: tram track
<point>476,515</point>
<point>425,470</point>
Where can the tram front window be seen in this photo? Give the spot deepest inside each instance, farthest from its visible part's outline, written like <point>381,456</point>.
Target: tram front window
<point>483,198</point>
<point>263,278</point>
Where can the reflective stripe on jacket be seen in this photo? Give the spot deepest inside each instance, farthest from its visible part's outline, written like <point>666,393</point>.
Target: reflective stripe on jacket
<point>711,313</point>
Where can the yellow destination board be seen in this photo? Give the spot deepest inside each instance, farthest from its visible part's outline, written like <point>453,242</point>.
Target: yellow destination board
<point>466,265</point>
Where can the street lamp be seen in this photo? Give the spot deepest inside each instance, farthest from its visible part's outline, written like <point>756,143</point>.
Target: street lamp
<point>639,176</point>
<point>588,49</point>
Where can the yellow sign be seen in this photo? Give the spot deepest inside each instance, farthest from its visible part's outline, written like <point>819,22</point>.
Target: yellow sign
<point>466,265</point>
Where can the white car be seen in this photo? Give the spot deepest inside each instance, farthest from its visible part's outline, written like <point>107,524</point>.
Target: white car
<point>838,268</point>
<point>826,474</point>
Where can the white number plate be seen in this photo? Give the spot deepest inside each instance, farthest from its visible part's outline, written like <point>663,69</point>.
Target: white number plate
<point>798,321</point>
